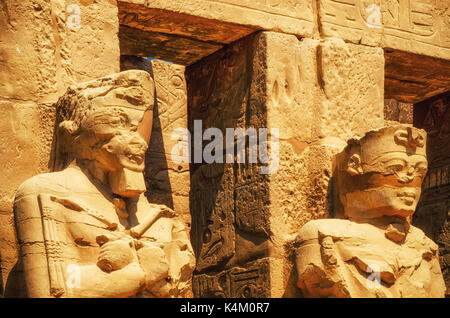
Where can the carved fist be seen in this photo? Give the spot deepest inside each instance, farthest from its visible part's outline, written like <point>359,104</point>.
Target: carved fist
<point>115,253</point>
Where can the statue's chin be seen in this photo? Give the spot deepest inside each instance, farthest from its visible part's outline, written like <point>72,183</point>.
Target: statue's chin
<point>127,183</point>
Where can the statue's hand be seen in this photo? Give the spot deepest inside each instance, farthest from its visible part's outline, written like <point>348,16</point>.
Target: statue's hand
<point>115,253</point>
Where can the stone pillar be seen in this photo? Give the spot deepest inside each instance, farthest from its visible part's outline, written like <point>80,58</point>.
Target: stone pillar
<point>43,49</point>
<point>317,94</point>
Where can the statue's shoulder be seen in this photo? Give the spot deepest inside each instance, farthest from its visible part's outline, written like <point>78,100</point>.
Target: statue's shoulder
<point>328,227</point>
<point>417,239</point>
<point>339,228</point>
<point>54,182</point>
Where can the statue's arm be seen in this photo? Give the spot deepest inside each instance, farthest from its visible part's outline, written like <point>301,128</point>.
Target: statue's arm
<point>28,223</point>
<point>318,265</point>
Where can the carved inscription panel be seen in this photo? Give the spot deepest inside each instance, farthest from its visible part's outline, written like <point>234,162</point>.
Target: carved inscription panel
<point>391,23</point>
<point>249,281</point>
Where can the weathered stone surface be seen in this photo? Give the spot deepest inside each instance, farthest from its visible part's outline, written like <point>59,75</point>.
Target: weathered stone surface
<point>275,78</point>
<point>20,158</point>
<point>414,26</point>
<point>171,104</point>
<point>42,55</point>
<point>374,252</point>
<point>251,280</point>
<point>190,18</point>
<point>212,203</point>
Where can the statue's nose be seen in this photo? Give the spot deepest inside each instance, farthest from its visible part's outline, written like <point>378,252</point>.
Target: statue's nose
<point>408,176</point>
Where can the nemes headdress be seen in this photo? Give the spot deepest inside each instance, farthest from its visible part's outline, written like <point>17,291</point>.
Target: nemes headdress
<point>133,89</point>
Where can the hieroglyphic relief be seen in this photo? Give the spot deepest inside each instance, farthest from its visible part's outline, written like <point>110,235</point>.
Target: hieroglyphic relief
<point>425,21</point>
<point>291,8</point>
<point>250,281</point>
<point>394,14</point>
<point>251,200</point>
<point>229,201</point>
<point>212,206</point>
<point>168,181</point>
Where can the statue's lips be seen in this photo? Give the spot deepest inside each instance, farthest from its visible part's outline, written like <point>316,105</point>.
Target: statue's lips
<point>408,197</point>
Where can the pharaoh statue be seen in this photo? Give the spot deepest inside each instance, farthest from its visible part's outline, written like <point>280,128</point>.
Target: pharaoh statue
<point>87,230</point>
<point>373,250</point>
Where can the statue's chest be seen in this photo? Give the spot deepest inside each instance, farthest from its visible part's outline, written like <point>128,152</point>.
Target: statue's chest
<point>84,217</point>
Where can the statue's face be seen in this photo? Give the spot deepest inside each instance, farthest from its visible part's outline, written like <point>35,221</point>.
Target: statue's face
<point>384,178</point>
<point>114,140</point>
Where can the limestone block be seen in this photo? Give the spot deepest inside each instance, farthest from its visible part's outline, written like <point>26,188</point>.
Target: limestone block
<point>294,17</point>
<point>251,280</point>
<point>312,99</point>
<point>171,114</point>
<point>415,26</point>
<point>186,33</point>
<point>44,45</point>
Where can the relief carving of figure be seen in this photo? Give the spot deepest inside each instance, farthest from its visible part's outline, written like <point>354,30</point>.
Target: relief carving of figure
<point>87,230</point>
<point>374,251</point>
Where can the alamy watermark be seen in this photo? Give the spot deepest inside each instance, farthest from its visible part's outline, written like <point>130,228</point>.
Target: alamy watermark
<point>74,18</point>
<point>73,280</point>
<point>374,279</point>
<point>237,149</point>
<point>373,19</point>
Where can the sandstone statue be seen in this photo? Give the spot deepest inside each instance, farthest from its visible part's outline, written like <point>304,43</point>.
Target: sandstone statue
<point>87,230</point>
<point>373,251</point>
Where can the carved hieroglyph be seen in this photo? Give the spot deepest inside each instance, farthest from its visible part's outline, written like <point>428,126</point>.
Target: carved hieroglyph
<point>375,252</point>
<point>87,230</point>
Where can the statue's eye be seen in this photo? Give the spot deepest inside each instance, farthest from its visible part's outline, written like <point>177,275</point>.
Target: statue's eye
<point>396,165</point>
<point>396,168</point>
